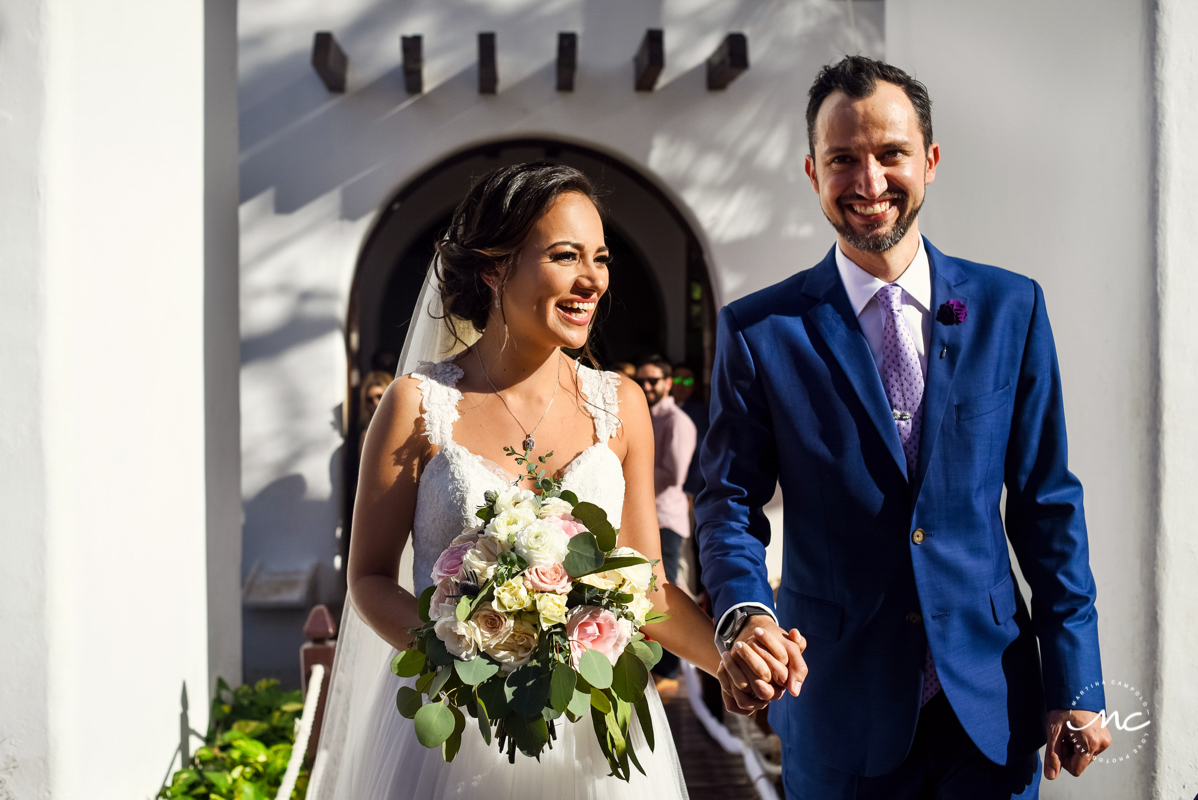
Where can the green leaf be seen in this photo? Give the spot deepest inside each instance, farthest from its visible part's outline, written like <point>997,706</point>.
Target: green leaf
<point>595,667</point>
<point>595,518</point>
<point>442,678</point>
<point>454,743</point>
<point>531,735</point>
<point>426,600</point>
<point>654,617</point>
<point>434,724</point>
<point>583,556</point>
<point>291,707</point>
<point>623,561</point>
<point>493,694</point>
<point>484,720</point>
<point>220,780</point>
<point>463,609</point>
<point>645,719</point>
<point>408,701</point>
<point>476,670</point>
<point>629,677</point>
<point>647,650</point>
<point>407,664</point>
<point>561,687</point>
<point>631,752</point>
<point>424,681</point>
<point>569,497</point>
<point>251,727</point>
<point>580,702</point>
<point>600,701</point>
<point>528,690</point>
<point>437,654</point>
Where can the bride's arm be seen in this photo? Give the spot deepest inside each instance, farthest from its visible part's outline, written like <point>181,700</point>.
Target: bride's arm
<point>384,508</point>
<point>689,633</point>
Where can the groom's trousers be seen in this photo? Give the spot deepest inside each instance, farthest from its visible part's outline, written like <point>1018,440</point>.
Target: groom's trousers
<point>943,764</point>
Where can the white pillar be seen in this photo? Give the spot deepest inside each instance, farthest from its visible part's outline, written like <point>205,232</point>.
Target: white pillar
<point>1176,590</point>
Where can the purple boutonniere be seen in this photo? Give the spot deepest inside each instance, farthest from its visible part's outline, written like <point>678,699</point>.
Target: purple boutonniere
<point>951,313</point>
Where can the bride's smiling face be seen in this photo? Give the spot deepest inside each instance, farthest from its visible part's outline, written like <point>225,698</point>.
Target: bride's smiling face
<point>558,276</point>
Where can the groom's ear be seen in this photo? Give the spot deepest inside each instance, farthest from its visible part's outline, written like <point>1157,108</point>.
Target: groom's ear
<point>809,167</point>
<point>933,158</point>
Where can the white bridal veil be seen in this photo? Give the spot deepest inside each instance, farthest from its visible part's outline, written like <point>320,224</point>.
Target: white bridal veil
<point>362,653</point>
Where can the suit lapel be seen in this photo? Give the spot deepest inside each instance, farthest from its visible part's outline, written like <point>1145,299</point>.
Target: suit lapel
<point>947,278</point>
<point>833,317</point>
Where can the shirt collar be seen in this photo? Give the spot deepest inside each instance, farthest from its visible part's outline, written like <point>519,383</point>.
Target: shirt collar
<point>663,406</point>
<point>916,280</point>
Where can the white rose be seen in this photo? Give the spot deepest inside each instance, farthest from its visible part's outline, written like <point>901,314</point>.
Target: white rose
<point>513,596</point>
<point>554,505</point>
<point>640,607</point>
<point>542,544</point>
<point>511,498</point>
<point>510,521</point>
<point>468,535</point>
<point>602,580</point>
<point>493,626</point>
<point>516,650</point>
<point>552,608</point>
<point>637,578</point>
<point>461,638</point>
<point>482,558</point>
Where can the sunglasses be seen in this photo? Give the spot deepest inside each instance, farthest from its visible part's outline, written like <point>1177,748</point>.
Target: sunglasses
<point>685,381</point>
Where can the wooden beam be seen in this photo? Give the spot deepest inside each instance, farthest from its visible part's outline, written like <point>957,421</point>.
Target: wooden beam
<point>488,74</point>
<point>329,61</point>
<point>567,61</point>
<point>728,61</point>
<point>649,60</point>
<point>412,49</point>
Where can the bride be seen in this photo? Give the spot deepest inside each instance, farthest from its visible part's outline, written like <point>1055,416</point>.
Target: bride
<point>521,269</point>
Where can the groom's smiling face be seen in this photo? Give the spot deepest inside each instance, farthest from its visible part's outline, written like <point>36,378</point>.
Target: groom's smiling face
<point>870,167</point>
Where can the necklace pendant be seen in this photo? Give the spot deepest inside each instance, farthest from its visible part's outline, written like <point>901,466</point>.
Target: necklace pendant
<point>529,442</point>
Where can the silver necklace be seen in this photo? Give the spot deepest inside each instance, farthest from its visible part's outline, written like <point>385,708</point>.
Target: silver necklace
<point>529,442</point>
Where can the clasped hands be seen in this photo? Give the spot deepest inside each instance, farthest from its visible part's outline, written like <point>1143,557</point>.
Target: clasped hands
<point>763,663</point>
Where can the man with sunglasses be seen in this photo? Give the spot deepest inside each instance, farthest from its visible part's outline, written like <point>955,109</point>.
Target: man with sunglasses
<point>674,437</point>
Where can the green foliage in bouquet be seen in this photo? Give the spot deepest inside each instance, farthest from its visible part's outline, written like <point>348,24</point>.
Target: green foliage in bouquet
<point>519,710</point>
<point>251,731</point>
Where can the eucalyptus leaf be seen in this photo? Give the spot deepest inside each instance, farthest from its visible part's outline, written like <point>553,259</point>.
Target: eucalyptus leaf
<point>580,702</point>
<point>493,694</point>
<point>464,608</point>
<point>569,497</point>
<point>645,719</point>
<point>426,601</point>
<point>629,677</point>
<point>408,701</point>
<point>583,556</point>
<point>476,670</point>
<point>529,690</point>
<point>423,682</point>
<point>562,681</point>
<point>434,724</point>
<point>647,650</point>
<point>407,664</point>
<point>600,701</point>
<point>530,735</point>
<point>442,678</point>
<point>654,617</point>
<point>434,648</point>
<point>484,721</point>
<point>449,749</point>
<point>595,518</point>
<point>595,667</point>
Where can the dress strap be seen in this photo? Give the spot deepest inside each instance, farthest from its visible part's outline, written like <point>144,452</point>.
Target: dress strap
<point>438,387</point>
<point>603,399</point>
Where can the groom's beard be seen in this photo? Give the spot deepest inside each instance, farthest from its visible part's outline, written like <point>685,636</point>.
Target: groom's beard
<point>873,241</point>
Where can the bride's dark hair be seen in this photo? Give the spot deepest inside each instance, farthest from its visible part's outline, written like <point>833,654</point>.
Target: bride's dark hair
<point>489,228</point>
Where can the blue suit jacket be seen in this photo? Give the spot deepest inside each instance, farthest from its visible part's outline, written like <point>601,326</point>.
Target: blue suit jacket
<point>797,401</point>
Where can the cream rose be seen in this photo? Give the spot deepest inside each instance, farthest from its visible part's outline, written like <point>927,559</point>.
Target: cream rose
<point>637,578</point>
<point>542,544</point>
<point>603,580</point>
<point>516,650</point>
<point>482,558</point>
<point>493,626</point>
<point>552,609</point>
<point>442,595</point>
<point>513,596</point>
<point>468,536</point>
<point>511,498</point>
<point>511,521</point>
<point>554,505</point>
<point>640,607</point>
<point>461,638</point>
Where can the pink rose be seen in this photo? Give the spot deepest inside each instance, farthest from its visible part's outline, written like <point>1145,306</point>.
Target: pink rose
<point>446,592</point>
<point>594,628</point>
<point>449,564</point>
<point>568,523</point>
<point>551,578</point>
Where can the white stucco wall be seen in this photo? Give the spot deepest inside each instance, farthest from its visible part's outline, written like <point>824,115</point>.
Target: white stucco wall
<point>103,541</point>
<point>316,167</point>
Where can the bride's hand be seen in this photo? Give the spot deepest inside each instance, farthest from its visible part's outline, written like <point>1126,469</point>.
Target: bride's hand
<point>770,659</point>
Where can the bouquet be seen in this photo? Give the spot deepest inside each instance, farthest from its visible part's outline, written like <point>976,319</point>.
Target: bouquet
<point>533,615</point>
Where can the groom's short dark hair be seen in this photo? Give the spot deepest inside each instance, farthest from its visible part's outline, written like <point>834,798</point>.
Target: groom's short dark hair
<point>858,76</point>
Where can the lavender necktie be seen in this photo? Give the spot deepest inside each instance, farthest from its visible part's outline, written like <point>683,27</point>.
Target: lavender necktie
<point>903,379</point>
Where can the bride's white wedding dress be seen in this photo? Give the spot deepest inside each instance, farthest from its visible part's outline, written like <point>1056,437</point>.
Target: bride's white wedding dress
<point>386,762</point>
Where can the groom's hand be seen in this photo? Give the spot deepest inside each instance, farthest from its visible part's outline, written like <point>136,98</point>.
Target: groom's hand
<point>766,660</point>
<point>1074,739</point>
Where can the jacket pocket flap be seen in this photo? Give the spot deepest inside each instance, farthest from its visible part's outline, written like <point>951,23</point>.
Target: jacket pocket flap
<point>1002,600</point>
<point>978,406</point>
<point>822,619</point>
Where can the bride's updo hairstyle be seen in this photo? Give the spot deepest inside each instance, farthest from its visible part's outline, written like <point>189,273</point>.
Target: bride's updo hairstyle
<point>490,227</point>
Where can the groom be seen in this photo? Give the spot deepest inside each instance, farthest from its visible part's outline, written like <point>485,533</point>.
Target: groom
<point>893,391</point>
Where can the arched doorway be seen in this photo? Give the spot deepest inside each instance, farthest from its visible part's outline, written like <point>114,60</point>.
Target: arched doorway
<point>659,299</point>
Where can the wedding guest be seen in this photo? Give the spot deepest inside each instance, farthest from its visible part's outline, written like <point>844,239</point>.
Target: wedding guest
<point>674,442</point>
<point>373,386</point>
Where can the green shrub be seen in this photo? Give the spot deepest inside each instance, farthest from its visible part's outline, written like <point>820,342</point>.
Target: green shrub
<point>247,747</point>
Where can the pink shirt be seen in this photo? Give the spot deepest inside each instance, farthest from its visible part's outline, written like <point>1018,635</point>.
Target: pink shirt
<point>674,436</point>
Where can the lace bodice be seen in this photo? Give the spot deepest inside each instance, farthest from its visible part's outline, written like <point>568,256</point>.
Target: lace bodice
<point>453,482</point>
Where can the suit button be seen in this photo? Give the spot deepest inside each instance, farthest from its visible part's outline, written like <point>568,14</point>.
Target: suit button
<point>918,536</point>
<point>914,618</point>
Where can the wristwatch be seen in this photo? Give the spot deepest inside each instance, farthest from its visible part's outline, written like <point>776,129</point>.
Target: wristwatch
<point>734,623</point>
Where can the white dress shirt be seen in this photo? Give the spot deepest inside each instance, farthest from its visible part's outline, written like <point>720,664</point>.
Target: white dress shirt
<point>862,288</point>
